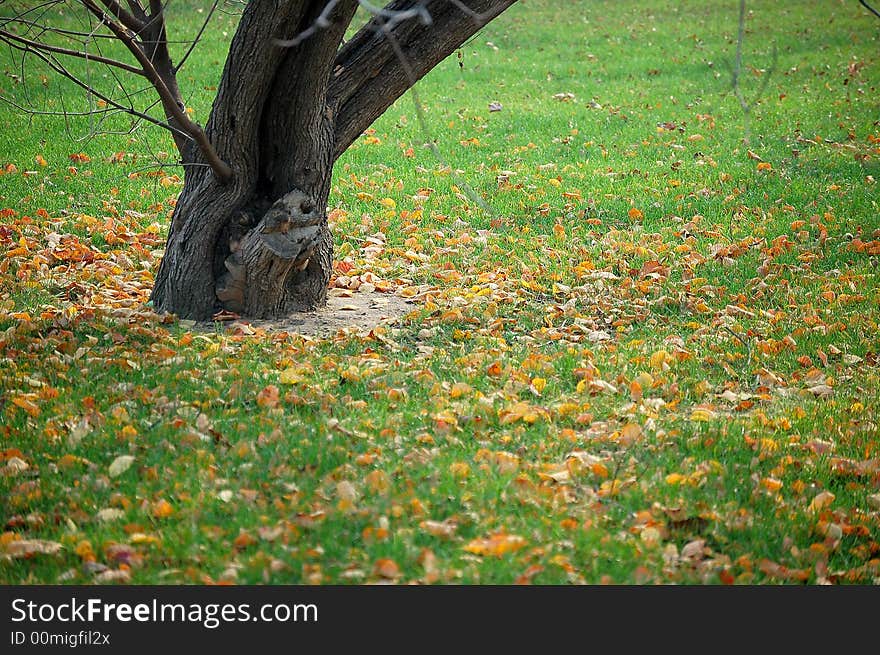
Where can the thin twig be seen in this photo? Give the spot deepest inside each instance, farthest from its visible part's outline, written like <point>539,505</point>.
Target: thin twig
<point>61,70</point>
<point>169,102</point>
<point>420,116</point>
<point>6,36</point>
<point>869,8</point>
<point>132,23</point>
<point>198,37</point>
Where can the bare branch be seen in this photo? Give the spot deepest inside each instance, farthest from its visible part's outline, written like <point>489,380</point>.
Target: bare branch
<point>26,44</point>
<point>137,9</point>
<point>420,116</point>
<point>173,108</point>
<point>369,75</point>
<point>43,29</point>
<point>321,22</point>
<point>123,16</point>
<point>736,71</point>
<point>62,70</point>
<point>869,8</point>
<point>480,19</point>
<point>198,36</point>
<point>391,16</point>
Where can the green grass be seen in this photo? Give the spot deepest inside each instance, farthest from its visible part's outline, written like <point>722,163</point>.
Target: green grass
<point>611,365</point>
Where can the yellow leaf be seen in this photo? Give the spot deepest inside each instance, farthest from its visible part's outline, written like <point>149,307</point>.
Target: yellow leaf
<point>460,469</point>
<point>701,415</point>
<point>635,390</point>
<point>496,545</point>
<point>658,360</point>
<point>460,389</point>
<point>388,203</point>
<point>84,549</point>
<point>290,376</point>
<point>610,487</point>
<point>630,433</point>
<point>538,384</point>
<point>675,478</point>
<point>378,481</point>
<point>27,405</point>
<point>599,470</point>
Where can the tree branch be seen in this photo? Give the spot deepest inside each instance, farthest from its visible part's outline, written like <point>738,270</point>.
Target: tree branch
<point>173,107</point>
<point>61,70</point>
<point>369,76</point>
<point>123,16</point>
<point>29,44</point>
<point>197,38</point>
<point>869,8</point>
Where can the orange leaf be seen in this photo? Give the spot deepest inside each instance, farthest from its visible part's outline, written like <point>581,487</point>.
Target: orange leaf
<point>636,214</point>
<point>268,397</point>
<point>243,540</point>
<point>494,370</point>
<point>162,509</point>
<point>386,568</point>
<point>27,405</point>
<point>771,484</point>
<point>496,545</point>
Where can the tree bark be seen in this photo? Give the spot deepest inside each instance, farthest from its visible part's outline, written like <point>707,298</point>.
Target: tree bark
<point>258,243</point>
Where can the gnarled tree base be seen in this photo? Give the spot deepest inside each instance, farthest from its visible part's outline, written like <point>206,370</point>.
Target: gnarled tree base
<point>267,271</point>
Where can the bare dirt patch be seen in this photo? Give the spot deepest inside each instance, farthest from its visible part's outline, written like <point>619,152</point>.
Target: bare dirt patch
<point>345,310</point>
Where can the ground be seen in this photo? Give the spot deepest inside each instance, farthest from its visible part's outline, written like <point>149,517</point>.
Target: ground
<point>631,335</point>
<point>358,312</point>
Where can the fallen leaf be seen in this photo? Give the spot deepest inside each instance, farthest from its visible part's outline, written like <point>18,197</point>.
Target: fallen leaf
<point>822,500</point>
<point>120,465</point>
<point>821,391</point>
<point>693,549</point>
<point>443,529</point>
<point>496,545</point>
<point>162,509</point>
<point>268,397</point>
<point>110,514</point>
<point>386,568</point>
<point>29,547</point>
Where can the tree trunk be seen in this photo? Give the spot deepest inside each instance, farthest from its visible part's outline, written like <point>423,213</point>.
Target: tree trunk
<point>258,244</point>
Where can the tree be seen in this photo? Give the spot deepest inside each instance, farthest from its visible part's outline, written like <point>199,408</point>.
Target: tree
<point>249,231</point>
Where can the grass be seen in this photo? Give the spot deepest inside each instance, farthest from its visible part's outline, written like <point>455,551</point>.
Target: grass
<point>652,360</point>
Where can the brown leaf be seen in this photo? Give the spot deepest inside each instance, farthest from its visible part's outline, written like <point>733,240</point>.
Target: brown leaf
<point>30,547</point>
<point>693,549</point>
<point>268,397</point>
<point>821,391</point>
<point>443,529</point>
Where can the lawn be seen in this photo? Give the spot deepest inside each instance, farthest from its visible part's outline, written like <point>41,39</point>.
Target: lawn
<point>642,345</point>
